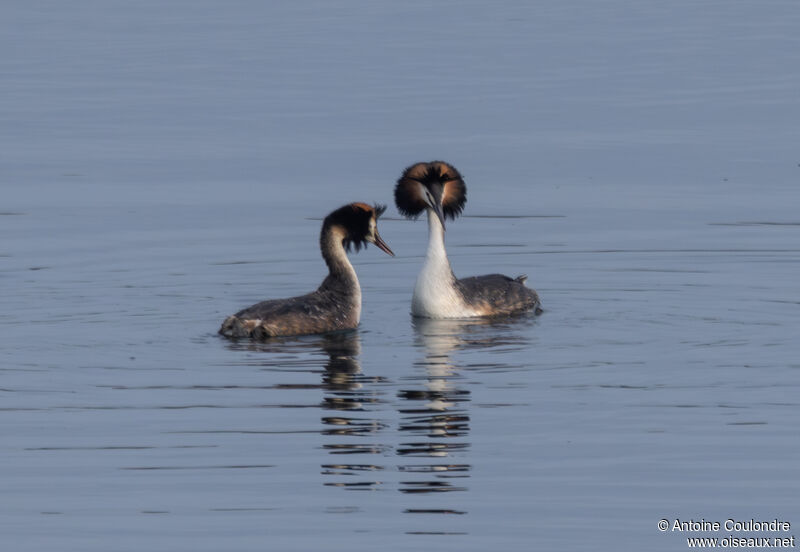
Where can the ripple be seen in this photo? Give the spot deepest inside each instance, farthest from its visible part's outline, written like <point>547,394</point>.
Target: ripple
<point>349,469</point>
<point>433,511</point>
<point>419,487</point>
<point>120,447</point>
<point>336,448</point>
<point>501,217</point>
<point>438,425</point>
<point>355,486</point>
<point>209,467</point>
<point>430,449</point>
<point>444,533</point>
<point>352,426</point>
<point>754,223</point>
<point>435,468</point>
<point>243,509</point>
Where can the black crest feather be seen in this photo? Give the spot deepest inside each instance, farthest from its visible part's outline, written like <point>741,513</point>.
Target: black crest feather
<point>431,175</point>
<point>354,218</point>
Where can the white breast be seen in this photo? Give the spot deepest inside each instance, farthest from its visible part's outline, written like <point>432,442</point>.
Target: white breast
<point>435,294</point>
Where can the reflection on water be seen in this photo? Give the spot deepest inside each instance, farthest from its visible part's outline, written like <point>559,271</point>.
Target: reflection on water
<point>438,408</point>
<point>435,412</point>
<point>351,393</point>
<point>433,406</point>
<point>345,385</point>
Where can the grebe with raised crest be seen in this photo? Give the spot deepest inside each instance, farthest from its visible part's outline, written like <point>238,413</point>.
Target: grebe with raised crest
<point>438,189</point>
<point>336,304</point>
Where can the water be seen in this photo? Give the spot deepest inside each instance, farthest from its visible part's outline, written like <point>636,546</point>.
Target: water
<point>164,166</point>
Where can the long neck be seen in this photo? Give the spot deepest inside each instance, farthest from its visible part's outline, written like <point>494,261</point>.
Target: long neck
<point>435,293</point>
<point>335,256</point>
<point>436,259</point>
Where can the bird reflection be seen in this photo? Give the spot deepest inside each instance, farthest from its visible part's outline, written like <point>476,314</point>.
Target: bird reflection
<point>433,402</point>
<point>438,407</point>
<point>349,392</point>
<point>348,398</point>
<point>436,411</point>
<point>343,383</point>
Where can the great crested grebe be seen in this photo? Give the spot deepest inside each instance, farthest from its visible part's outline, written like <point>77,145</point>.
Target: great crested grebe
<point>438,188</point>
<point>336,304</point>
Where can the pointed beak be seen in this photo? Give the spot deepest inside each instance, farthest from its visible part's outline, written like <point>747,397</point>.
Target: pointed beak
<point>439,213</point>
<point>382,244</point>
<point>435,198</point>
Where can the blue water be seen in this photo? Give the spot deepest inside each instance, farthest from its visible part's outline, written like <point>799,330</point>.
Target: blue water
<point>166,165</point>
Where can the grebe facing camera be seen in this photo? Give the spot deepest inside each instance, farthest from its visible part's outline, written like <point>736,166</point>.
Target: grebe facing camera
<point>438,189</point>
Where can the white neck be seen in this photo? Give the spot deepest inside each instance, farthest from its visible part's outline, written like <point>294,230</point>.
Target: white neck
<point>437,256</point>
<point>435,295</point>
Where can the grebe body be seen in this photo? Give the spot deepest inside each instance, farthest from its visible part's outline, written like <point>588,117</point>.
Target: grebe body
<point>336,304</point>
<point>438,189</point>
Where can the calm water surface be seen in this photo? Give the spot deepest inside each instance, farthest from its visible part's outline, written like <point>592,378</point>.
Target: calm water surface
<point>164,166</point>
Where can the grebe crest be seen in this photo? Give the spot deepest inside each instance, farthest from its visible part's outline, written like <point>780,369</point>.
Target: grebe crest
<point>360,224</point>
<point>438,189</point>
<point>336,304</point>
<point>428,185</point>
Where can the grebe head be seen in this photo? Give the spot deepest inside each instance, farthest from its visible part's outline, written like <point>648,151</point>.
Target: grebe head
<point>360,224</point>
<point>436,185</point>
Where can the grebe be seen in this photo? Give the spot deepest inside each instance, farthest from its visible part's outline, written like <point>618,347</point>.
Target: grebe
<point>336,304</point>
<point>438,188</point>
